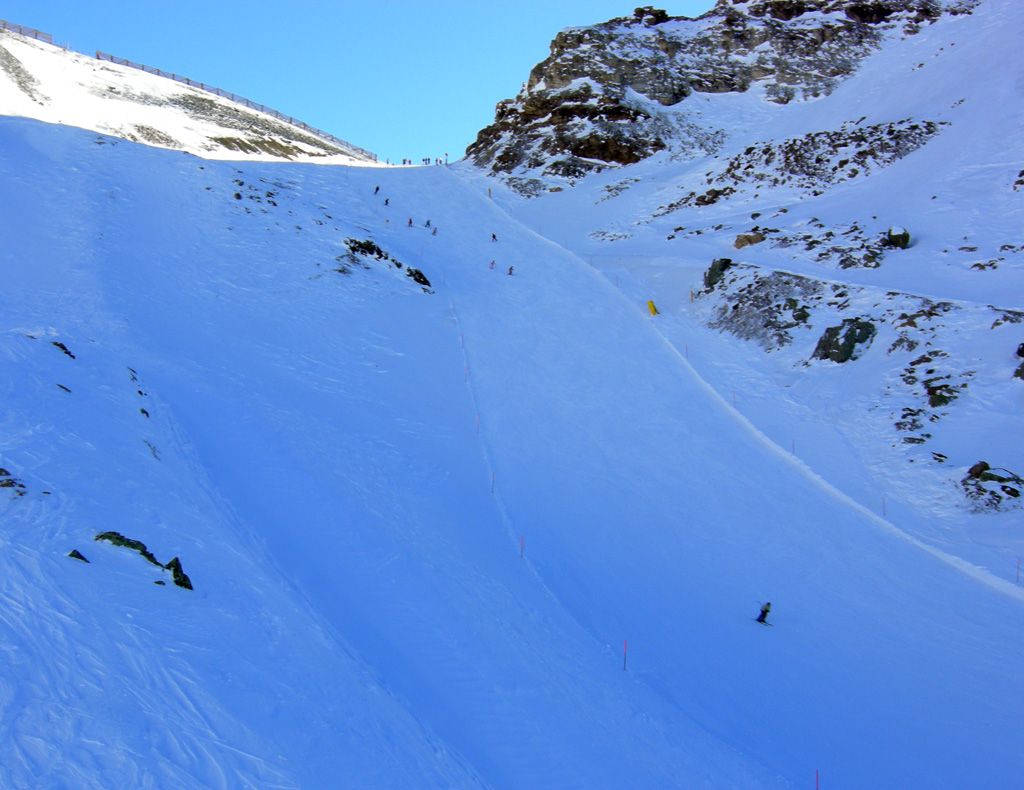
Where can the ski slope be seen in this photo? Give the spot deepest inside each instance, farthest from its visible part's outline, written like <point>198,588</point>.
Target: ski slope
<point>345,465</point>
<point>954,194</point>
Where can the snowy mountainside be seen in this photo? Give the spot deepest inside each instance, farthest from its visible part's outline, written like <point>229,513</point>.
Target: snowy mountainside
<point>459,512</point>
<point>43,81</point>
<point>863,255</point>
<point>214,360</point>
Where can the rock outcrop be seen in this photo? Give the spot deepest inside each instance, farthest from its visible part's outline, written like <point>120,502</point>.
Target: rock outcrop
<point>615,93</point>
<point>845,342</point>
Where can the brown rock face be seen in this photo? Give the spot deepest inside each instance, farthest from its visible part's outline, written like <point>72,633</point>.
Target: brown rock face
<point>748,239</point>
<point>615,93</point>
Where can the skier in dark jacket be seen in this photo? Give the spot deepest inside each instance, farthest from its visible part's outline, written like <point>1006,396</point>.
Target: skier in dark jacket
<point>494,237</point>
<point>376,190</point>
<point>765,608</point>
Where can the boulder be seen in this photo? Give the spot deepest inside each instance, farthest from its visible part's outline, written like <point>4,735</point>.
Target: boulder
<point>715,271</point>
<point>747,239</point>
<point>180,577</point>
<point>978,469</point>
<point>897,238</point>
<point>846,341</point>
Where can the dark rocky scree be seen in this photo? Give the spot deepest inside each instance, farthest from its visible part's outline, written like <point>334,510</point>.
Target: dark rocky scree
<point>174,566</point>
<point>257,133</point>
<point>812,163</point>
<point>7,480</point>
<point>359,251</point>
<point>845,342</point>
<point>757,305</point>
<point>614,93</point>
<point>770,308</point>
<point>152,136</point>
<point>19,75</point>
<point>849,246</point>
<point>989,488</point>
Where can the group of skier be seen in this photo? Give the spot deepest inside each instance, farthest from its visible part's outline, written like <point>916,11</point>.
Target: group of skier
<point>494,237</point>
<point>427,160</point>
<point>433,228</point>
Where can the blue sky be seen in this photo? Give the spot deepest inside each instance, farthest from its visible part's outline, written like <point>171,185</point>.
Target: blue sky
<point>399,77</point>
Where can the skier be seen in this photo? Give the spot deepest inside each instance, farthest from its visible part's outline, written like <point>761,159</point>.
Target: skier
<point>376,190</point>
<point>387,201</point>
<point>494,237</point>
<point>765,608</point>
<point>491,265</point>
<point>434,231</point>
<point>509,271</point>
<point>1020,350</point>
<point>410,222</point>
<point>426,224</point>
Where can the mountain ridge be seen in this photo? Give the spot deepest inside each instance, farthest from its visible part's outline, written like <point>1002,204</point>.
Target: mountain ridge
<point>160,108</point>
<point>614,93</point>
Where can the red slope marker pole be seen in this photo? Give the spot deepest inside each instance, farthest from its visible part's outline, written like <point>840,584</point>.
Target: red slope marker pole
<point>625,653</point>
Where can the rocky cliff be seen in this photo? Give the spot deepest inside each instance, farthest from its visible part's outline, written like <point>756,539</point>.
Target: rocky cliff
<point>616,93</point>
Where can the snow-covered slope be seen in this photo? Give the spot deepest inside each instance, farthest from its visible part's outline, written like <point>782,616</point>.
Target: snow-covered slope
<point>425,484</point>
<point>42,81</point>
<point>800,200</point>
<point>344,464</point>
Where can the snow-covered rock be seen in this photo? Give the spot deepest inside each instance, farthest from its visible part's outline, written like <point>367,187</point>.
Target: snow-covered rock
<point>618,92</point>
